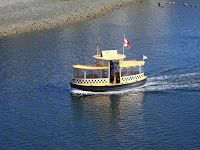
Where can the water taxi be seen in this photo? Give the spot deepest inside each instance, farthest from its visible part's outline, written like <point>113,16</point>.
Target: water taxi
<point>110,73</point>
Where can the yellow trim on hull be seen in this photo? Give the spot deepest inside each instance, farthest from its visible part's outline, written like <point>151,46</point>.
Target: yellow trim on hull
<point>106,81</point>
<point>82,84</point>
<point>134,78</point>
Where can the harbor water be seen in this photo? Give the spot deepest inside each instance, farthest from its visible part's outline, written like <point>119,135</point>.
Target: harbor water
<point>39,110</point>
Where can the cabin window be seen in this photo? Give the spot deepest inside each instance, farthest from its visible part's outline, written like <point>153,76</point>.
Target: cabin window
<point>132,71</point>
<point>76,73</point>
<point>123,71</point>
<point>105,63</point>
<point>141,69</point>
<point>102,62</point>
<point>104,73</point>
<point>136,69</point>
<point>127,71</point>
<point>79,73</point>
<point>91,74</point>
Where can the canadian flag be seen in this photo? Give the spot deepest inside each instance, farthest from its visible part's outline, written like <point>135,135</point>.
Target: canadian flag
<point>126,43</point>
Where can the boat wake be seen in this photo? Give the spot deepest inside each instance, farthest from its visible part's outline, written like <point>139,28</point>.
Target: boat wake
<point>80,92</point>
<point>187,82</point>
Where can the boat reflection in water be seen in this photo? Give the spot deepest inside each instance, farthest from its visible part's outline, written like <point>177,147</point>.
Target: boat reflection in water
<point>109,115</point>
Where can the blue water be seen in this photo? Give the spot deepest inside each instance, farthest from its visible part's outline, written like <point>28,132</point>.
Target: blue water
<point>39,110</point>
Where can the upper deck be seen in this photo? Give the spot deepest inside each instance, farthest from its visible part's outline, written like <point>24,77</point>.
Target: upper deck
<point>91,67</point>
<point>110,55</point>
<point>117,57</point>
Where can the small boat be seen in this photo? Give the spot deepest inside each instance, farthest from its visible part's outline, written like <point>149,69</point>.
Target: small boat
<point>110,73</point>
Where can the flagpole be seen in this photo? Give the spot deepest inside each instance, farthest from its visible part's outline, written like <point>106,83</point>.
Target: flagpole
<point>123,44</point>
<point>123,49</point>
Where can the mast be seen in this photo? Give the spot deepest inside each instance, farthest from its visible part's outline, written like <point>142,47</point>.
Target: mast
<point>123,44</point>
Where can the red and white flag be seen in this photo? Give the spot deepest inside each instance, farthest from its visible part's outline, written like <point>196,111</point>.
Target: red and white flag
<point>126,43</point>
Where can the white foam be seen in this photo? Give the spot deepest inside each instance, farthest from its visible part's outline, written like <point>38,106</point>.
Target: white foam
<point>172,82</point>
<point>164,77</point>
<point>135,90</point>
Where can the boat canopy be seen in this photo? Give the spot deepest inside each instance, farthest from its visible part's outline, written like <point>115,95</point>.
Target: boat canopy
<point>131,63</point>
<point>110,55</point>
<point>91,67</point>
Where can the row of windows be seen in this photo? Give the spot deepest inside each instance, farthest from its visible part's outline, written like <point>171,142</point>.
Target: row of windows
<point>132,71</point>
<point>90,74</point>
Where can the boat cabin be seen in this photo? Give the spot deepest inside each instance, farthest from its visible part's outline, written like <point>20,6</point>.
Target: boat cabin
<point>109,69</point>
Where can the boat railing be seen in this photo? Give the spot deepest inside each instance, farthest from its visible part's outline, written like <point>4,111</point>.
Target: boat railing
<point>96,81</point>
<point>92,76</point>
<point>132,78</point>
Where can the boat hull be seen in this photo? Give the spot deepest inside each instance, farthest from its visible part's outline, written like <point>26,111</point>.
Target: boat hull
<point>116,87</point>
